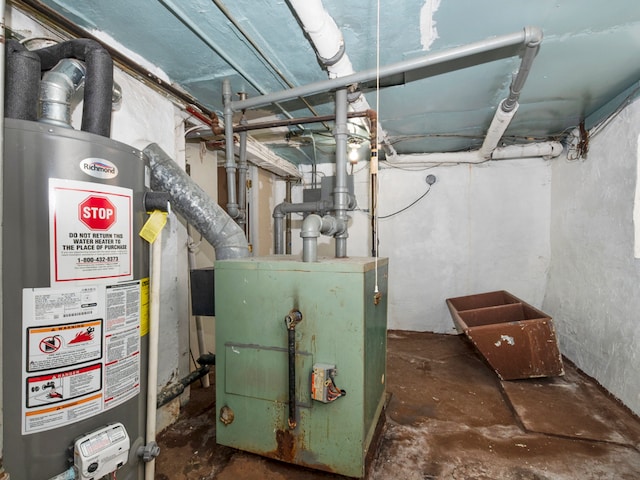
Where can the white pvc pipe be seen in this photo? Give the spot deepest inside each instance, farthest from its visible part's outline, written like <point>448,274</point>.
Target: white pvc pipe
<point>528,150</point>
<point>152,371</point>
<point>325,35</point>
<point>328,41</point>
<point>511,152</point>
<point>499,124</point>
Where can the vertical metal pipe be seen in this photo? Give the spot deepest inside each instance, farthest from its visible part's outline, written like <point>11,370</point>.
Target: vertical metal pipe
<point>533,38</point>
<point>291,320</point>
<point>230,164</point>
<point>287,240</point>
<point>242,182</point>
<point>291,343</point>
<point>341,192</point>
<point>278,248</point>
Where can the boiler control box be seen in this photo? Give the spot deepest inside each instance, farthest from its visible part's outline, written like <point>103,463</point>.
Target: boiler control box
<point>322,381</point>
<point>101,452</point>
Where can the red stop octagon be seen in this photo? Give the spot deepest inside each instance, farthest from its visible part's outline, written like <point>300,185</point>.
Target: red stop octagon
<point>97,213</point>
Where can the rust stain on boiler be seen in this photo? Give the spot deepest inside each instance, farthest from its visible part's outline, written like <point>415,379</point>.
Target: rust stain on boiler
<point>286,449</point>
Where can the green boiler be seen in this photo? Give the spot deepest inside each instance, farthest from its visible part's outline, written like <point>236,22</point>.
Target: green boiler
<point>301,358</point>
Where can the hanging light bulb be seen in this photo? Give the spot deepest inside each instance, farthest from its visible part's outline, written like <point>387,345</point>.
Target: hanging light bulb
<point>354,154</point>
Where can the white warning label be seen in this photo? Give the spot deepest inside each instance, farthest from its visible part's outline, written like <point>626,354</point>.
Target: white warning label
<point>91,231</point>
<point>82,352</point>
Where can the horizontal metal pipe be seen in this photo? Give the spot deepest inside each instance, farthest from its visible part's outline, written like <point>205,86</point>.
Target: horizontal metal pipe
<point>437,58</point>
<point>293,121</point>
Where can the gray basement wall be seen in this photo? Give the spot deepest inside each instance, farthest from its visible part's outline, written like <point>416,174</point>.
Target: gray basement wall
<point>593,290</point>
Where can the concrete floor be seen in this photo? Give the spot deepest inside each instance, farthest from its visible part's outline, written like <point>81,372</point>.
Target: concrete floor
<point>448,417</point>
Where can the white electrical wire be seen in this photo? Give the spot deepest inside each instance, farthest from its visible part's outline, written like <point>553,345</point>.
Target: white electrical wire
<point>375,185</point>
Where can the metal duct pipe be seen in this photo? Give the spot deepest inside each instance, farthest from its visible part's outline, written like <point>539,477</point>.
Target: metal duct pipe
<point>285,208</point>
<point>56,90</point>
<point>22,80</point>
<point>206,216</point>
<point>230,164</point>
<point>96,113</point>
<point>528,35</point>
<point>312,227</point>
<point>341,192</point>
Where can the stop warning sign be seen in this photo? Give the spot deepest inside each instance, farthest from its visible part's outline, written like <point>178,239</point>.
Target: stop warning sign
<point>97,213</point>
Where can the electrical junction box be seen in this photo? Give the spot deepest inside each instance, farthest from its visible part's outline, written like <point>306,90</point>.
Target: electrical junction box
<point>101,452</point>
<point>321,381</point>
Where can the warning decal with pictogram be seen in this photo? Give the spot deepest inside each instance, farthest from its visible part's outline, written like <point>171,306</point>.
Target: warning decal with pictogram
<point>63,345</point>
<point>91,229</point>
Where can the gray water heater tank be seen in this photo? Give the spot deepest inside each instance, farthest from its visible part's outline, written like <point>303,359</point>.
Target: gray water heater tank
<point>75,296</point>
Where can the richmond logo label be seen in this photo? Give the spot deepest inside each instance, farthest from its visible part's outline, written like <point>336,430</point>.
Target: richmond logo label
<point>99,168</point>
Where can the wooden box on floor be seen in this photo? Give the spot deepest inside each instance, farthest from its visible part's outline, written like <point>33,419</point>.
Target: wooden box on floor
<point>517,340</point>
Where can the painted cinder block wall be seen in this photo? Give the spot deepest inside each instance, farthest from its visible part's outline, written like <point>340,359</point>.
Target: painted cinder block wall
<point>593,290</point>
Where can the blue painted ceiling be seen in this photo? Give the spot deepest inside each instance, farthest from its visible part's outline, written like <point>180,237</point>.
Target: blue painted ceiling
<point>587,64</point>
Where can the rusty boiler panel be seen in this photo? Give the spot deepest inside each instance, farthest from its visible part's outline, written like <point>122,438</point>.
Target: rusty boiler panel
<point>517,340</point>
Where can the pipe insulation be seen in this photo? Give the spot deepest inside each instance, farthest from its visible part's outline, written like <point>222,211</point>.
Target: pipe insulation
<point>193,203</point>
<point>22,80</point>
<point>96,112</point>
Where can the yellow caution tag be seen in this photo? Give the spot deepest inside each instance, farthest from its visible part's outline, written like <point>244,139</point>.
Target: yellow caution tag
<point>156,222</point>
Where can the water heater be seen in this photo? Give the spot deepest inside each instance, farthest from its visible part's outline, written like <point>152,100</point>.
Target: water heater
<point>75,300</point>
